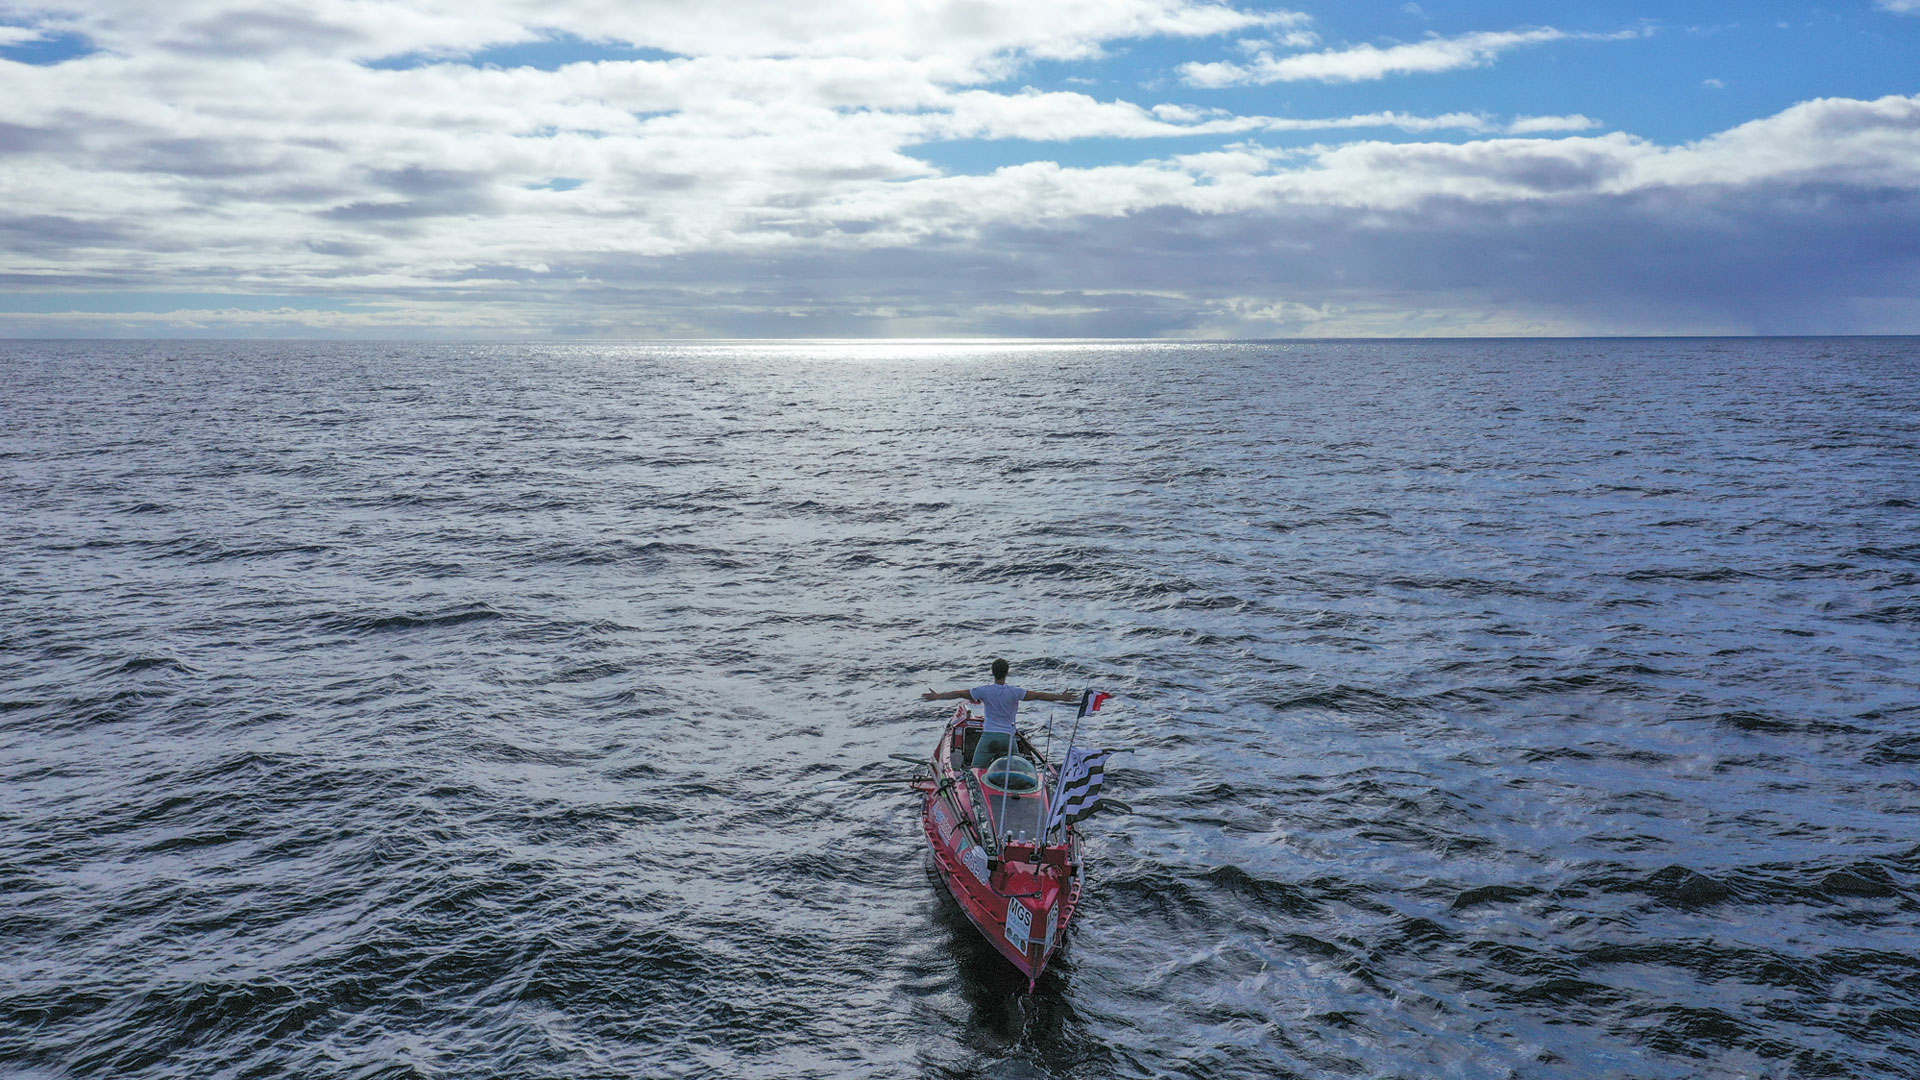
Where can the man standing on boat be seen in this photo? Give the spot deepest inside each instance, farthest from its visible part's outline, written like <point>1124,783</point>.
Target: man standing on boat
<point>1002,704</point>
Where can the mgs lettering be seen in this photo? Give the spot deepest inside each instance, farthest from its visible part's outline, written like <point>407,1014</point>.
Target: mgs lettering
<point>976,861</point>
<point>1019,923</point>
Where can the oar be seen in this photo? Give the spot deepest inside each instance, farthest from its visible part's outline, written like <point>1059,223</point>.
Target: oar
<point>882,780</point>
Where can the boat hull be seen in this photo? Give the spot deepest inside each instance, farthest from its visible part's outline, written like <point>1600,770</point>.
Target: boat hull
<point>1018,891</point>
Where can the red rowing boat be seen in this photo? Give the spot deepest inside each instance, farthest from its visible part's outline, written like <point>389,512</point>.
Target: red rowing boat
<point>988,831</point>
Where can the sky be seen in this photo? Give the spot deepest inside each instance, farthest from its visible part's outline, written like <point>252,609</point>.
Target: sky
<point>489,169</point>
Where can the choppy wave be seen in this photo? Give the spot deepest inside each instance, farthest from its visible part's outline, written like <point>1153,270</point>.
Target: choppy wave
<point>1499,709</point>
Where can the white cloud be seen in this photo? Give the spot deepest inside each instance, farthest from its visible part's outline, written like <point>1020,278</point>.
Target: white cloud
<point>1293,35</point>
<point>980,114</point>
<point>741,28</point>
<point>1367,62</point>
<point>1470,122</point>
<point>202,152</point>
<point>1841,141</point>
<point>1901,7</point>
<point>1534,125</point>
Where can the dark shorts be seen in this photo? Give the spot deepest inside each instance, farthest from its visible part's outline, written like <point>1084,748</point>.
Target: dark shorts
<point>993,744</point>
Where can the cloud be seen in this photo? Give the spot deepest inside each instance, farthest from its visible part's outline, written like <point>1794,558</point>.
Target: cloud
<point>970,29</point>
<point>1368,62</point>
<point>21,139</point>
<point>718,184</point>
<point>1768,258</point>
<point>1901,7</point>
<point>1534,125</point>
<point>1868,145</point>
<point>1037,116</point>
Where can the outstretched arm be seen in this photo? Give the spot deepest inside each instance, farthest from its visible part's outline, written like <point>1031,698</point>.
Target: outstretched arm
<point>946,695</point>
<point>1069,696</point>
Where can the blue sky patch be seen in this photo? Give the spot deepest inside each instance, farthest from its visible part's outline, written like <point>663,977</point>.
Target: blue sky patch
<point>49,49</point>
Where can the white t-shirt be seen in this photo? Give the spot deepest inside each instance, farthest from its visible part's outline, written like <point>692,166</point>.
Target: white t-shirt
<point>1002,705</point>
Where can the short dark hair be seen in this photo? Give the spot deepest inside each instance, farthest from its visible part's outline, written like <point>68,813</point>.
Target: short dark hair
<point>1000,668</point>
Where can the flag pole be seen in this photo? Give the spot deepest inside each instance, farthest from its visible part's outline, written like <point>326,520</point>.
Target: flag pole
<point>1060,782</point>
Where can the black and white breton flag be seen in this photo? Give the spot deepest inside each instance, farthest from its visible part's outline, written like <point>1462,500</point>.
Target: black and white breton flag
<point>1080,779</point>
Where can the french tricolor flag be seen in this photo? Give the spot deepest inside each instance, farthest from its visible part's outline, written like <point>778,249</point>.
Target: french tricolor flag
<point>1091,701</point>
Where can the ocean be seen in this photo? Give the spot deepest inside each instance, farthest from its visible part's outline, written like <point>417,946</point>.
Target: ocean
<point>1505,709</point>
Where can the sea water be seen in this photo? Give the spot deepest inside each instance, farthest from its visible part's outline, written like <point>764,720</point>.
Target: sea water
<point>1495,708</point>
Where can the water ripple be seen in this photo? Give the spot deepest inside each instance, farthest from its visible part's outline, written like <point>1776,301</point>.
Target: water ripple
<point>1499,709</point>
